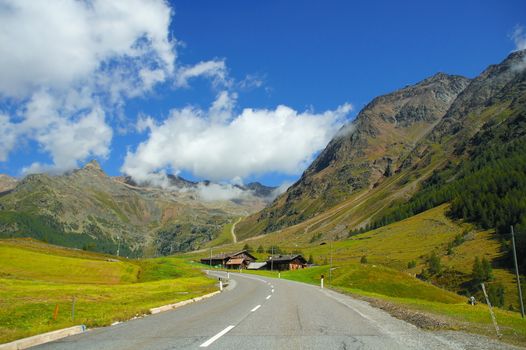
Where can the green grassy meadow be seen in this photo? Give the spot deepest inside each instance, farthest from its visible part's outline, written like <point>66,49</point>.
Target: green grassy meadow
<point>35,277</point>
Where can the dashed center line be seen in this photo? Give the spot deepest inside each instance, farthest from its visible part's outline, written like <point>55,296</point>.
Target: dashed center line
<point>268,297</point>
<point>217,336</point>
<point>272,290</point>
<point>254,309</point>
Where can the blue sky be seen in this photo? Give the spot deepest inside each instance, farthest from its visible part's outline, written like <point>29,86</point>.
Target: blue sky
<point>311,57</point>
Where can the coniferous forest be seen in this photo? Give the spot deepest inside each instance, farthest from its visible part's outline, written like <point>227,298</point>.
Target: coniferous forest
<point>488,188</point>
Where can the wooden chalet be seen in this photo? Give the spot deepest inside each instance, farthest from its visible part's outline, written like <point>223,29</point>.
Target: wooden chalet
<point>238,260</point>
<point>216,260</point>
<point>286,262</point>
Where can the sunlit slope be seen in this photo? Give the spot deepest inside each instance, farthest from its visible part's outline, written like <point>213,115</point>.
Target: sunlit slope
<point>35,277</point>
<point>395,245</point>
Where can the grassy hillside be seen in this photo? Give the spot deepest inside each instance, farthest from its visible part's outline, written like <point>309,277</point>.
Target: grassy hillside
<point>34,277</point>
<point>395,254</point>
<point>87,209</point>
<point>397,245</point>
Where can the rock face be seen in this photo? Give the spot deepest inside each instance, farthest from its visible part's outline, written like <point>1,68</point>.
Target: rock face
<point>366,150</point>
<point>409,132</point>
<point>87,209</point>
<point>7,183</point>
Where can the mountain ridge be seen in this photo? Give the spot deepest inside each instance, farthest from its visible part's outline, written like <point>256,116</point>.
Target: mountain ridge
<point>85,208</point>
<point>358,156</point>
<point>368,157</point>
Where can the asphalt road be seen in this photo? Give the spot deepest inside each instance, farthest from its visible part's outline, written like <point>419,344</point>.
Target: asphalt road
<point>263,313</point>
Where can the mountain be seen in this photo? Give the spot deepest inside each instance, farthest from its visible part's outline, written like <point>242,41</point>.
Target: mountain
<point>172,181</point>
<point>88,209</point>
<point>389,153</point>
<point>258,189</point>
<point>365,151</point>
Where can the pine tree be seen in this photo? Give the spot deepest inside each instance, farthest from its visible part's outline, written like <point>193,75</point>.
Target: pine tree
<point>248,248</point>
<point>487,269</point>
<point>477,272</point>
<point>434,265</point>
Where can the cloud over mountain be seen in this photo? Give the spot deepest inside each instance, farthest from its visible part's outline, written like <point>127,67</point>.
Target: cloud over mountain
<point>218,144</point>
<point>70,67</point>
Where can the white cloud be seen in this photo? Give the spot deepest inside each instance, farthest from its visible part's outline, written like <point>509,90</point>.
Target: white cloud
<point>220,192</point>
<point>59,43</point>
<point>250,82</point>
<point>251,143</point>
<point>68,63</point>
<point>215,69</point>
<point>519,38</point>
<point>68,141</point>
<point>7,137</point>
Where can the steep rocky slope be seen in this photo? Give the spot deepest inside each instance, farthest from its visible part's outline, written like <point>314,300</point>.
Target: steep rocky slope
<point>364,152</point>
<point>395,143</point>
<point>7,183</point>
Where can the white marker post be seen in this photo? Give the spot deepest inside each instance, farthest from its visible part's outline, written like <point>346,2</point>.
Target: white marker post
<point>228,275</point>
<point>279,274</point>
<point>220,285</point>
<point>322,281</point>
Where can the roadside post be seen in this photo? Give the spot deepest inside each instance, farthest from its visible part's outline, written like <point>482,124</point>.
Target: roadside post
<point>73,309</point>
<point>220,284</point>
<point>55,313</point>
<point>279,274</point>
<point>228,275</point>
<point>321,281</point>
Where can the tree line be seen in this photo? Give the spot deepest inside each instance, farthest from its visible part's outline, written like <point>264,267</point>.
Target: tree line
<point>488,188</point>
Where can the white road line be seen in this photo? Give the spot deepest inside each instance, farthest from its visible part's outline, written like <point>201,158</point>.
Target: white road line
<point>268,297</point>
<point>215,337</point>
<point>272,290</point>
<point>254,309</point>
<point>271,286</point>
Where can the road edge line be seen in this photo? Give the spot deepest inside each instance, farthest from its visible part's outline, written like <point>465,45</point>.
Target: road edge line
<point>169,307</point>
<point>43,338</point>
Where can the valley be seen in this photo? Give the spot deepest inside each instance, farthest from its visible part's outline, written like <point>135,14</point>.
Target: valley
<point>398,210</point>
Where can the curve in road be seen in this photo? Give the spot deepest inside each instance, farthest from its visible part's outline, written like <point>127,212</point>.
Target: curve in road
<point>263,313</point>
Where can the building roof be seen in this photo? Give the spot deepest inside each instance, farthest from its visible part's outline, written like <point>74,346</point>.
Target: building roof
<point>256,265</point>
<point>235,261</point>
<point>225,256</point>
<point>243,252</point>
<point>286,258</point>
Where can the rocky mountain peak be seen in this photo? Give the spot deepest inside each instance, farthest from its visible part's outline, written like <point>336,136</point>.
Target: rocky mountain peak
<point>92,165</point>
<point>368,150</point>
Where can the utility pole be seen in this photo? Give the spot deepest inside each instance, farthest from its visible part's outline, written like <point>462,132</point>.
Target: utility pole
<point>210,258</point>
<point>517,271</point>
<point>271,258</point>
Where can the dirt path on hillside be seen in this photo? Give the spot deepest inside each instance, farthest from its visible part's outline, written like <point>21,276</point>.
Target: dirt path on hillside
<point>232,231</point>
